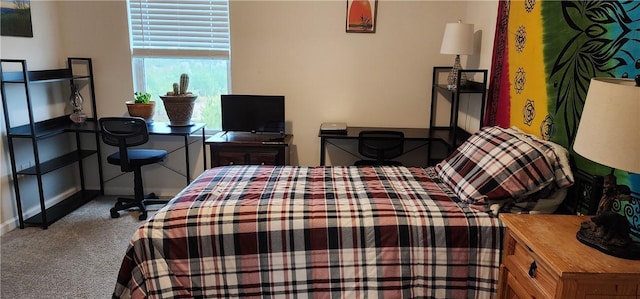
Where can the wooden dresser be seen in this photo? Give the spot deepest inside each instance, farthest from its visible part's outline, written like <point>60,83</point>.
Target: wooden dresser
<point>543,259</point>
<point>239,148</point>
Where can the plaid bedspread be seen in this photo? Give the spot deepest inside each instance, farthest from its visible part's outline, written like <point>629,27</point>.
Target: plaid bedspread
<point>322,232</point>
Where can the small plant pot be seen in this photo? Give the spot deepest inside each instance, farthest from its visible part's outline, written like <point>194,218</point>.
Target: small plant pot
<point>145,111</point>
<point>179,109</point>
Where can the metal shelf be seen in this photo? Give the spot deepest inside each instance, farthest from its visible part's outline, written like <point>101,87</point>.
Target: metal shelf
<point>37,130</point>
<point>57,163</point>
<point>452,135</point>
<point>63,208</point>
<point>52,127</point>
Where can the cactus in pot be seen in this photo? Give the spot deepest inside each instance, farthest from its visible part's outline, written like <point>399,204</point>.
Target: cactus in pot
<point>176,90</point>
<point>184,83</point>
<point>179,102</point>
<point>180,89</point>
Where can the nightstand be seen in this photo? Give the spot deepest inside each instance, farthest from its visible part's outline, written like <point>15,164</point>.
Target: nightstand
<point>543,259</point>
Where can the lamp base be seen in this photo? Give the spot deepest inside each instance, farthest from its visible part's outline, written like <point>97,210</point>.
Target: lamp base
<point>611,192</point>
<point>609,233</point>
<point>452,79</point>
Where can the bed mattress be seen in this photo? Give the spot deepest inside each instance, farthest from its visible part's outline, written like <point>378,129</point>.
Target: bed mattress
<point>325,232</point>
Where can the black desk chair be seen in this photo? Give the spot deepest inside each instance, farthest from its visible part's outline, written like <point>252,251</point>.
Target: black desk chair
<point>381,146</point>
<point>125,132</point>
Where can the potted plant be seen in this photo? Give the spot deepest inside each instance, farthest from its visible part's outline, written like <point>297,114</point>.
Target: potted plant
<point>142,106</point>
<point>179,103</point>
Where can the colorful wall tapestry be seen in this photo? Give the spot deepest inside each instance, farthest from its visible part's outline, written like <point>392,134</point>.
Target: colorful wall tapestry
<point>545,54</point>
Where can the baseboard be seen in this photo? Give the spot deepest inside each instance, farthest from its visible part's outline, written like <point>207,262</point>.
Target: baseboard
<point>13,222</point>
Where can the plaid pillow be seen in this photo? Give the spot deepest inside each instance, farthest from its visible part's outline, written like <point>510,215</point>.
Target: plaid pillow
<point>556,155</point>
<point>547,200</point>
<point>496,164</point>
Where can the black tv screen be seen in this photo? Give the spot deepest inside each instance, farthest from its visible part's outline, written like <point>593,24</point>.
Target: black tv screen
<point>252,113</point>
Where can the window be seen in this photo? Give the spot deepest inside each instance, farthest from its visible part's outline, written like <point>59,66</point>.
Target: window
<point>171,37</point>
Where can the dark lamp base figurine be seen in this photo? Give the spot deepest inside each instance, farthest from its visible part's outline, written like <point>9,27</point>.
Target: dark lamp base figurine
<point>611,191</point>
<point>609,231</point>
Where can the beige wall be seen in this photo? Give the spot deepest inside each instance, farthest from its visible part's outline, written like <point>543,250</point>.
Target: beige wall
<point>295,48</point>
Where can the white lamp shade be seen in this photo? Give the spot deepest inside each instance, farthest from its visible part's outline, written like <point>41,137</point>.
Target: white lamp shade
<point>609,129</point>
<point>458,39</point>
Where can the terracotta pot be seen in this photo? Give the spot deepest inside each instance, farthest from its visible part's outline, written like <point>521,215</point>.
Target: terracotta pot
<point>179,109</point>
<point>145,111</point>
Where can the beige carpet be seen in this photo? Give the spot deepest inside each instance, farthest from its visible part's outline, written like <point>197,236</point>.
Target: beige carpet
<point>76,257</point>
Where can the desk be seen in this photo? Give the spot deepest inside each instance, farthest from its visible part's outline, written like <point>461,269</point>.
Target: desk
<point>162,128</point>
<point>426,135</point>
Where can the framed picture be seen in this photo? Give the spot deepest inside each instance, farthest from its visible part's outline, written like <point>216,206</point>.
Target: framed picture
<point>361,16</point>
<point>15,18</point>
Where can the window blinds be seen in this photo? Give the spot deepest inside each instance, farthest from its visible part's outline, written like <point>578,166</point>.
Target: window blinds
<point>179,27</point>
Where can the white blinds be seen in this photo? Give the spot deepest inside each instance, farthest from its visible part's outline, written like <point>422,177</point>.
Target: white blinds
<point>179,27</point>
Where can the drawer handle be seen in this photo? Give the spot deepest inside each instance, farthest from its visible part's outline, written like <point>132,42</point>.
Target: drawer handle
<point>231,163</point>
<point>532,269</point>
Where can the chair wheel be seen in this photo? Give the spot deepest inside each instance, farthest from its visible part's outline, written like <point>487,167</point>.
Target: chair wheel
<point>143,216</point>
<point>114,213</point>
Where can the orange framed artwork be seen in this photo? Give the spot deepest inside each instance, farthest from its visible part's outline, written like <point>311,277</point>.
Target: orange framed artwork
<point>361,16</point>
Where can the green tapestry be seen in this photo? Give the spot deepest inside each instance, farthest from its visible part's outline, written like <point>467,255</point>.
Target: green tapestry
<point>545,54</point>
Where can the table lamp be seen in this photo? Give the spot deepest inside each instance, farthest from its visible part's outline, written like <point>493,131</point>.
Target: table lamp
<point>458,40</point>
<point>609,134</point>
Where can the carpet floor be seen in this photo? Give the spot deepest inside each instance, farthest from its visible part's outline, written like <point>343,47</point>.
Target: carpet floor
<point>76,257</point>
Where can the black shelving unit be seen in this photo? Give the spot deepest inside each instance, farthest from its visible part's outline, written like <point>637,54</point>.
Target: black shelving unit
<point>451,135</point>
<point>79,71</point>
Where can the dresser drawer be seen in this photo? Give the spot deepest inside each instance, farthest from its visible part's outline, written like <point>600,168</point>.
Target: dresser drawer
<point>263,158</point>
<point>248,152</point>
<point>230,158</point>
<point>515,289</point>
<point>247,157</point>
<point>509,287</point>
<point>530,272</point>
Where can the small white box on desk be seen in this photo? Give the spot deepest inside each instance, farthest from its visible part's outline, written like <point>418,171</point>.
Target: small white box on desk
<point>333,128</point>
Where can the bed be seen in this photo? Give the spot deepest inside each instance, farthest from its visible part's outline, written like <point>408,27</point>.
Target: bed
<point>346,231</point>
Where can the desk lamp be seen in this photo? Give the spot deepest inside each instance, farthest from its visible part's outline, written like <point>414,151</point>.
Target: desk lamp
<point>458,40</point>
<point>609,134</point>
